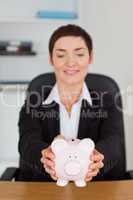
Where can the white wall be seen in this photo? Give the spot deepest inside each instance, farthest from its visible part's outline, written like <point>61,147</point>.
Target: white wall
<point>28,8</point>
<point>110,24</point>
<point>11,100</point>
<point>18,22</point>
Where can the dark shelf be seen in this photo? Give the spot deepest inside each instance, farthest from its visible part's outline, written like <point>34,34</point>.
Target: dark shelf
<point>8,82</point>
<point>3,53</point>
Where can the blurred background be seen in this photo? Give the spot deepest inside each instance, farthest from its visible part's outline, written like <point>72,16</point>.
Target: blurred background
<point>25,28</point>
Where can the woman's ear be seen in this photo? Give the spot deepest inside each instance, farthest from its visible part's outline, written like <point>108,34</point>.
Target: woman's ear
<point>91,57</point>
<point>50,60</point>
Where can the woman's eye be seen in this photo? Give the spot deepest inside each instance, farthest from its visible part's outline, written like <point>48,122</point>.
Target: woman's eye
<point>60,56</point>
<point>80,54</point>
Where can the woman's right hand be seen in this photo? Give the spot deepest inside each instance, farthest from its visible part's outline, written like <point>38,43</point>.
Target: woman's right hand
<point>47,160</point>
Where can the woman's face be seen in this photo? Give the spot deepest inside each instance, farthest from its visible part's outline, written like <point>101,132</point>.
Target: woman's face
<point>70,60</point>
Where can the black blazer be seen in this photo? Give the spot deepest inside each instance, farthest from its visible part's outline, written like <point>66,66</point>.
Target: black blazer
<point>39,124</point>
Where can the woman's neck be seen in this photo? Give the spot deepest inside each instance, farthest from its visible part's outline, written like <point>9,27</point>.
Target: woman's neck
<point>69,94</point>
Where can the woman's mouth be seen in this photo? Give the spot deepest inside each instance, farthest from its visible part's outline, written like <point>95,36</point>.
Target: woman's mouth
<point>71,72</point>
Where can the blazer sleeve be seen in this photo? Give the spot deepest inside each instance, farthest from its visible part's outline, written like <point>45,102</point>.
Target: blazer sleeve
<point>30,138</point>
<point>111,142</point>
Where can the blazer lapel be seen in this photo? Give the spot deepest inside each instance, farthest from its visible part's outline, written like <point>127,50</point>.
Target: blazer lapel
<point>87,116</point>
<point>83,121</point>
<point>53,120</point>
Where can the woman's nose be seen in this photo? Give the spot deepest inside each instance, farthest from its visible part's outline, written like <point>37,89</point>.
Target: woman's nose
<point>71,60</point>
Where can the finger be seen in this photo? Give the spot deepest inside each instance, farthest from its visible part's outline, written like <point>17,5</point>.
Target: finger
<point>97,165</point>
<point>48,154</point>
<point>49,170</point>
<point>94,166</point>
<point>46,169</point>
<point>88,178</point>
<point>93,173</point>
<point>41,159</point>
<point>52,174</point>
<point>54,177</point>
<point>101,165</point>
<point>96,153</point>
<point>97,157</point>
<point>49,164</point>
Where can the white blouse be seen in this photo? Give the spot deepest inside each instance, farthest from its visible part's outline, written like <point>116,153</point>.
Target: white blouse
<point>69,123</point>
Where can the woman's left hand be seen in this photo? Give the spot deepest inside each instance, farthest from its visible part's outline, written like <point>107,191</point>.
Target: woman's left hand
<point>97,163</point>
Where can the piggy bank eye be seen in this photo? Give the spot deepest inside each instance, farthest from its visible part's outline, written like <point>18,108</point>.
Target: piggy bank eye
<point>69,156</point>
<point>75,157</point>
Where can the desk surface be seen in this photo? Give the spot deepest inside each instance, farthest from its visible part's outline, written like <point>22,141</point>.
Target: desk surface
<point>118,190</point>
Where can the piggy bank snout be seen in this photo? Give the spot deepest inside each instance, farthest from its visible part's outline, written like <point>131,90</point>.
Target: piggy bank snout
<point>72,168</point>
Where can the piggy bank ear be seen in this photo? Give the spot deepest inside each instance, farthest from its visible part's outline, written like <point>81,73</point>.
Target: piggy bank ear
<point>58,144</point>
<point>87,145</point>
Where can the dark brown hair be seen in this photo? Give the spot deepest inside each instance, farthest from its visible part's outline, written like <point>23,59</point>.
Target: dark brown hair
<point>70,30</point>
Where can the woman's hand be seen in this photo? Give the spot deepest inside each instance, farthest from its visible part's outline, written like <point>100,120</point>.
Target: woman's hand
<point>47,160</point>
<point>97,163</point>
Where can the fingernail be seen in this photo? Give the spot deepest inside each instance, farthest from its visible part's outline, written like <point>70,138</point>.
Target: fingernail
<point>52,156</point>
<point>53,173</point>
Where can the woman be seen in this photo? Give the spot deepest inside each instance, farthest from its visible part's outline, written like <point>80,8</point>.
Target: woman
<point>70,50</point>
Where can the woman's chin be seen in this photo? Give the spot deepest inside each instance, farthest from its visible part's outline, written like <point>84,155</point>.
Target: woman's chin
<point>71,82</point>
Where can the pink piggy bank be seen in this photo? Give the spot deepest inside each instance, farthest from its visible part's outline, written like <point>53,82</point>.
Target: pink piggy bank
<point>72,160</point>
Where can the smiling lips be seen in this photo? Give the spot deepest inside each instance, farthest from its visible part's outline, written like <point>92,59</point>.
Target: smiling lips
<point>71,72</point>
